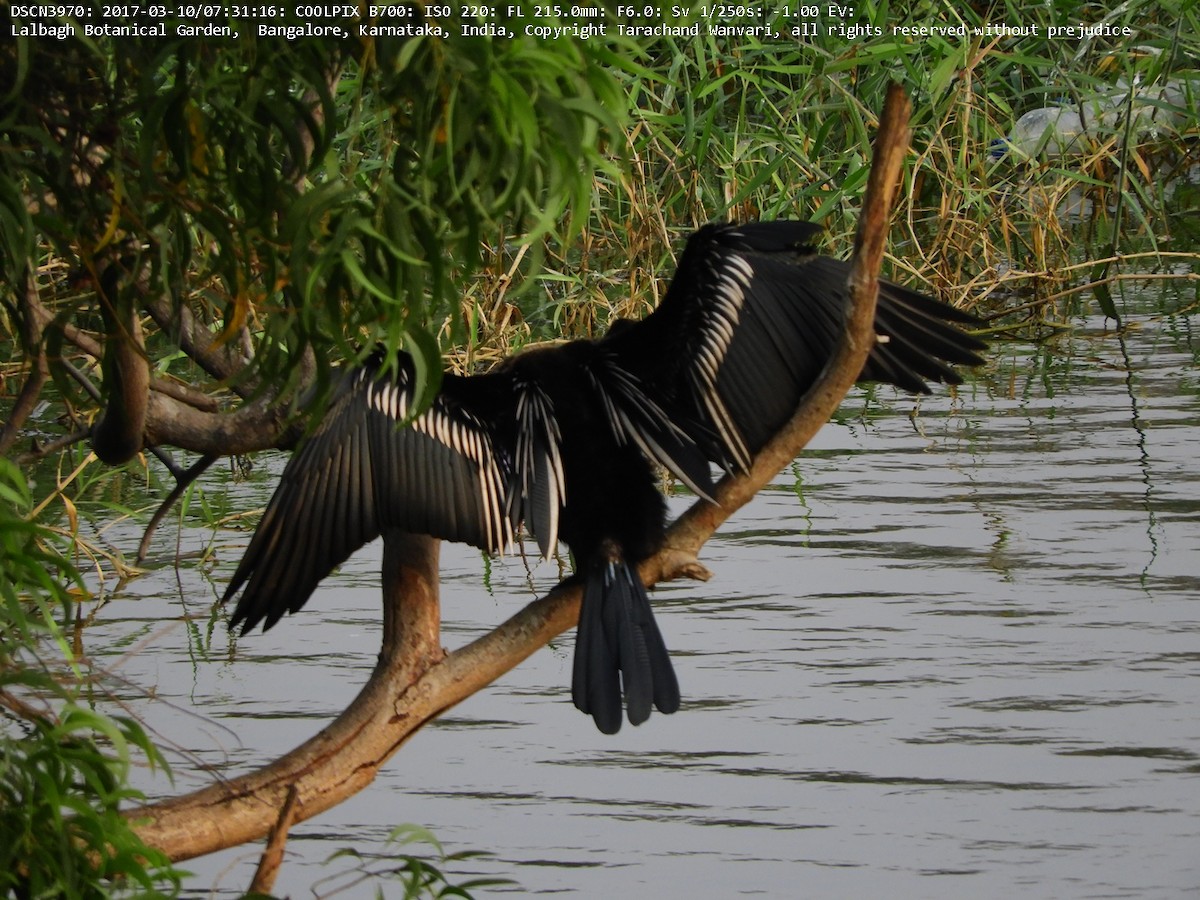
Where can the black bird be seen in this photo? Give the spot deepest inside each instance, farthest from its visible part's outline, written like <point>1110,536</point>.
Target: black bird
<point>565,439</point>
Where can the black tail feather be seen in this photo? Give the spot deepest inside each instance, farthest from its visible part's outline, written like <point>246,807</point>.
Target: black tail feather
<point>618,647</point>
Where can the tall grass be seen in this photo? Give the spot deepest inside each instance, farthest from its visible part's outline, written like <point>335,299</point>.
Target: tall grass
<point>782,127</point>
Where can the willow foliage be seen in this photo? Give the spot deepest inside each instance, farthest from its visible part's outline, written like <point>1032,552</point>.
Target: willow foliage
<point>326,198</point>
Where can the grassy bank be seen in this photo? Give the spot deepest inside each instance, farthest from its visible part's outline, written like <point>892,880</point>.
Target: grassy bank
<point>768,128</point>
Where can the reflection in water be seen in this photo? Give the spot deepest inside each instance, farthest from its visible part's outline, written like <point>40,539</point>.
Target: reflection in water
<point>954,651</point>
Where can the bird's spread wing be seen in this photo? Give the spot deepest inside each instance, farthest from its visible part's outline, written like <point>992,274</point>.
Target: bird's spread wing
<point>367,468</point>
<point>634,417</point>
<point>538,486</point>
<point>749,321</point>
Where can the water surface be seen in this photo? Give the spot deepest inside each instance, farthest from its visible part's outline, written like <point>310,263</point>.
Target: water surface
<point>955,651</point>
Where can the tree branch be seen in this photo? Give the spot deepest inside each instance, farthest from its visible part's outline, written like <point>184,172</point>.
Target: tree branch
<point>183,480</point>
<point>39,369</point>
<point>414,681</point>
<point>118,434</point>
<point>272,857</point>
<point>221,362</point>
<point>182,416</point>
<point>343,758</point>
<point>258,425</point>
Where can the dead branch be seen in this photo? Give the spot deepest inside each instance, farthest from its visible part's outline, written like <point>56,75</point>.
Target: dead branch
<point>272,857</point>
<point>414,681</point>
<point>183,480</point>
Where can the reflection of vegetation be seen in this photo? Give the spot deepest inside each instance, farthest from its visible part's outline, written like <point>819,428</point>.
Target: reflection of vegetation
<point>805,510</point>
<point>228,221</point>
<point>417,875</point>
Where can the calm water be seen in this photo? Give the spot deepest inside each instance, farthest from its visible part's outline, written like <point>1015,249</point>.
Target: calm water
<point>955,652</point>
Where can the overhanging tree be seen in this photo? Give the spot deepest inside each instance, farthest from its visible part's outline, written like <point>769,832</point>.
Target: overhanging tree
<point>192,232</point>
<point>190,236</point>
<point>254,210</point>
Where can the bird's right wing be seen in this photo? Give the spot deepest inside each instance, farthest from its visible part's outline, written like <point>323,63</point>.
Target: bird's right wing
<point>368,468</point>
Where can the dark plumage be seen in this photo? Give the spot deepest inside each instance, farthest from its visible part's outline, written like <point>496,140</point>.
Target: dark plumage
<point>565,439</point>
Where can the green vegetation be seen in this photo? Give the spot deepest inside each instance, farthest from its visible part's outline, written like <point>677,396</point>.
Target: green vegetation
<point>763,128</point>
<point>415,874</point>
<point>240,217</point>
<point>63,766</point>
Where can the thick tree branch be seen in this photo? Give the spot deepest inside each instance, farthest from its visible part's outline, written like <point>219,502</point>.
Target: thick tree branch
<point>117,436</point>
<point>343,758</point>
<point>259,425</point>
<point>221,362</point>
<point>182,416</point>
<point>39,369</point>
<point>414,682</point>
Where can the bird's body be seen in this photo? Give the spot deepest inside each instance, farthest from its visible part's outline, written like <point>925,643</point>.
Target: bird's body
<point>612,516</point>
<point>565,440</point>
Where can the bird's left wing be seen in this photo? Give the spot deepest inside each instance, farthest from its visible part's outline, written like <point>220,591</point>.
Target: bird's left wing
<point>751,318</point>
<point>368,467</point>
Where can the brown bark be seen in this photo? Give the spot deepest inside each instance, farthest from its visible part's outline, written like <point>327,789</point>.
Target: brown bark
<point>343,758</point>
<point>272,857</point>
<point>118,435</point>
<point>222,362</point>
<point>168,412</point>
<point>39,369</point>
<point>252,426</point>
<point>415,681</point>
